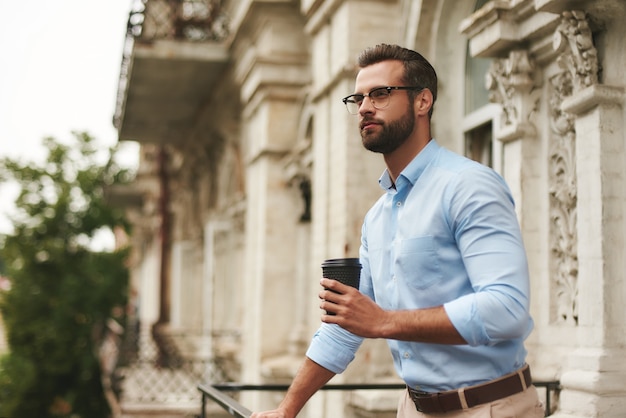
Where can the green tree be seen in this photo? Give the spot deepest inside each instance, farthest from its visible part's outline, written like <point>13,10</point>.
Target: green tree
<point>62,291</point>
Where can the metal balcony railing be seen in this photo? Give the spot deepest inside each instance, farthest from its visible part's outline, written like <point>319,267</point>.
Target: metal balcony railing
<point>190,20</point>
<point>217,393</point>
<point>149,369</point>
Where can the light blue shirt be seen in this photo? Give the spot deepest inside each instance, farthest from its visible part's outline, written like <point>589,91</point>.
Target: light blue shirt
<point>446,234</point>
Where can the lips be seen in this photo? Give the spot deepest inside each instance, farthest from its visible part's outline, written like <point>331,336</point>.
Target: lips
<point>367,124</point>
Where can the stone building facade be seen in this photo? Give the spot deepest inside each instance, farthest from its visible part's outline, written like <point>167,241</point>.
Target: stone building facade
<point>252,172</point>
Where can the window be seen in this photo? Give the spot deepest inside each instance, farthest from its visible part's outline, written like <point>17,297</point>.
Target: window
<point>478,144</point>
<point>479,113</point>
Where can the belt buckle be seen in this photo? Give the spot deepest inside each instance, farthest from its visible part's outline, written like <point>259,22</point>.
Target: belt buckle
<point>417,395</point>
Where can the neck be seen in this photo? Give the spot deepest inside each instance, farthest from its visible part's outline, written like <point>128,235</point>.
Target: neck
<point>397,160</point>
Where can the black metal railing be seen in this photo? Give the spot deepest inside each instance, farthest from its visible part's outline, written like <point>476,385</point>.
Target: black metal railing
<point>156,369</point>
<point>218,394</point>
<point>190,20</point>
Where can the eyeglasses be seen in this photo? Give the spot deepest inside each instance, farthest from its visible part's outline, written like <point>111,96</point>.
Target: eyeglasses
<point>378,96</point>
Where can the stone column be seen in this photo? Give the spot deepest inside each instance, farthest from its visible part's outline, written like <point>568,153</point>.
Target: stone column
<point>594,373</point>
<point>272,68</point>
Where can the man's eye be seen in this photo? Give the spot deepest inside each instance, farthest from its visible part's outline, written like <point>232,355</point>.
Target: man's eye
<point>378,94</point>
<point>358,98</point>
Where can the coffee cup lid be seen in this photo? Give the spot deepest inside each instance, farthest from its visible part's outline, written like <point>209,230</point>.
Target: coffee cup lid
<point>341,262</point>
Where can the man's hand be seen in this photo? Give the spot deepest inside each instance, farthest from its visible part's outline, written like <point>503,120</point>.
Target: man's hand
<point>353,311</point>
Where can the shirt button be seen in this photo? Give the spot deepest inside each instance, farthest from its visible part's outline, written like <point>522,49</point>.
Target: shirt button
<point>398,204</point>
<point>406,354</point>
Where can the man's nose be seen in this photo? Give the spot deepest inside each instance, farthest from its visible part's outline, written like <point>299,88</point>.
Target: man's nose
<point>366,105</point>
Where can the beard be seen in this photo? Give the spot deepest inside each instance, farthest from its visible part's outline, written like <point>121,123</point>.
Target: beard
<point>392,134</point>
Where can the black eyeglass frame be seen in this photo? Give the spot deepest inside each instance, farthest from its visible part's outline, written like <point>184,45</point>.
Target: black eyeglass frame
<point>346,100</point>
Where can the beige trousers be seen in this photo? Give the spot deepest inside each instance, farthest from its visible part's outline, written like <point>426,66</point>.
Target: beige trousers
<point>525,404</point>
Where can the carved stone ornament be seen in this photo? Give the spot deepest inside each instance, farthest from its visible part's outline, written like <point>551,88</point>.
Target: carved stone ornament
<point>574,42</point>
<point>508,80</point>
<point>563,199</point>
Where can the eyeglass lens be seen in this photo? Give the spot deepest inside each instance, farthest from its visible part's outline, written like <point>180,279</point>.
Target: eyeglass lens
<point>379,98</point>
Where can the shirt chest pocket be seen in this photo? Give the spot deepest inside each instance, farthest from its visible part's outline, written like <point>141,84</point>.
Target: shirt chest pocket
<point>416,262</point>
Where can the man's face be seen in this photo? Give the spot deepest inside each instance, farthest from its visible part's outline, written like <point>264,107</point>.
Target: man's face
<point>384,130</point>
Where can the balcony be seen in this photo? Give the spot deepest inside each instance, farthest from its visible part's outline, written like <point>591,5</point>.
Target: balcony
<point>173,55</point>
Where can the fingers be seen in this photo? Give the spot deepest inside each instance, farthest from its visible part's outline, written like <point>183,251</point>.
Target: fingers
<point>331,296</point>
<point>336,292</point>
<point>329,307</point>
<point>335,286</point>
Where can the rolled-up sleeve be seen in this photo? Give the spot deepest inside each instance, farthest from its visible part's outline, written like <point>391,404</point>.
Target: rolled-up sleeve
<point>333,347</point>
<point>489,239</point>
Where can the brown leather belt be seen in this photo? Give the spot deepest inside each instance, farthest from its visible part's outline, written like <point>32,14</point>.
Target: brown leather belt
<point>468,397</point>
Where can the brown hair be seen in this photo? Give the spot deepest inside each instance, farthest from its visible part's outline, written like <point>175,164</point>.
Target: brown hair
<point>417,70</point>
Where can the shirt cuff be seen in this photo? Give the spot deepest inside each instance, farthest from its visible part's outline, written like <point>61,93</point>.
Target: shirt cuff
<point>464,316</point>
<point>332,348</point>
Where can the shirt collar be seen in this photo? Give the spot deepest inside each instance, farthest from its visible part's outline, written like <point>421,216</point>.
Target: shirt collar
<point>415,168</point>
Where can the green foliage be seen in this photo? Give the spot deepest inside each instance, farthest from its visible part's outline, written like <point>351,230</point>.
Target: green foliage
<point>62,292</point>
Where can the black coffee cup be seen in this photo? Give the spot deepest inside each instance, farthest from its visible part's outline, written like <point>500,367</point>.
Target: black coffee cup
<point>344,270</point>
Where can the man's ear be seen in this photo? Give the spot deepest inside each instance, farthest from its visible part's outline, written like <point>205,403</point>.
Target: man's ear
<point>423,102</point>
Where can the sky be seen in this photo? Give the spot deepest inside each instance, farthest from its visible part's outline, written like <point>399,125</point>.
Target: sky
<point>59,72</point>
